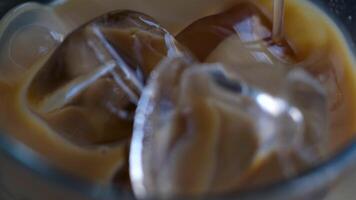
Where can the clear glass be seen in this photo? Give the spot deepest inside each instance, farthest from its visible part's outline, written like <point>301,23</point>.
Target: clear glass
<point>24,175</point>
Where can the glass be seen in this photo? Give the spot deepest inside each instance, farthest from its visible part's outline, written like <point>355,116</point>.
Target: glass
<point>24,175</point>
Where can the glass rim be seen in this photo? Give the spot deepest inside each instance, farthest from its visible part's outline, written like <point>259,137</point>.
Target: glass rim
<point>324,172</point>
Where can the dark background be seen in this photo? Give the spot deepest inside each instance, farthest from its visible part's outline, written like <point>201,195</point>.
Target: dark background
<point>6,5</point>
<point>343,10</point>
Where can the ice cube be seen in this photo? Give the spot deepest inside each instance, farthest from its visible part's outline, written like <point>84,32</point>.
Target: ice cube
<point>202,129</point>
<point>291,82</point>
<point>245,20</point>
<point>88,89</point>
<point>27,33</point>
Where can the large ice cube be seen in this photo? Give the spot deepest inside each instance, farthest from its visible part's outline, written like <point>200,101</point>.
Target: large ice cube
<point>89,87</point>
<point>203,129</point>
<point>289,81</point>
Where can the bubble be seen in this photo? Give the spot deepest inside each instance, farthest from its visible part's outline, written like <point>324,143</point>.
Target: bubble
<point>31,43</point>
<point>28,33</point>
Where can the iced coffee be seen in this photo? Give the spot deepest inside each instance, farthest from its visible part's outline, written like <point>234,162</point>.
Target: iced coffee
<point>178,97</point>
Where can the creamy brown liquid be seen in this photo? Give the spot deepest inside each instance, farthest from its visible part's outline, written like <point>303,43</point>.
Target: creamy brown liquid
<point>319,40</point>
<point>309,32</point>
<point>321,51</point>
